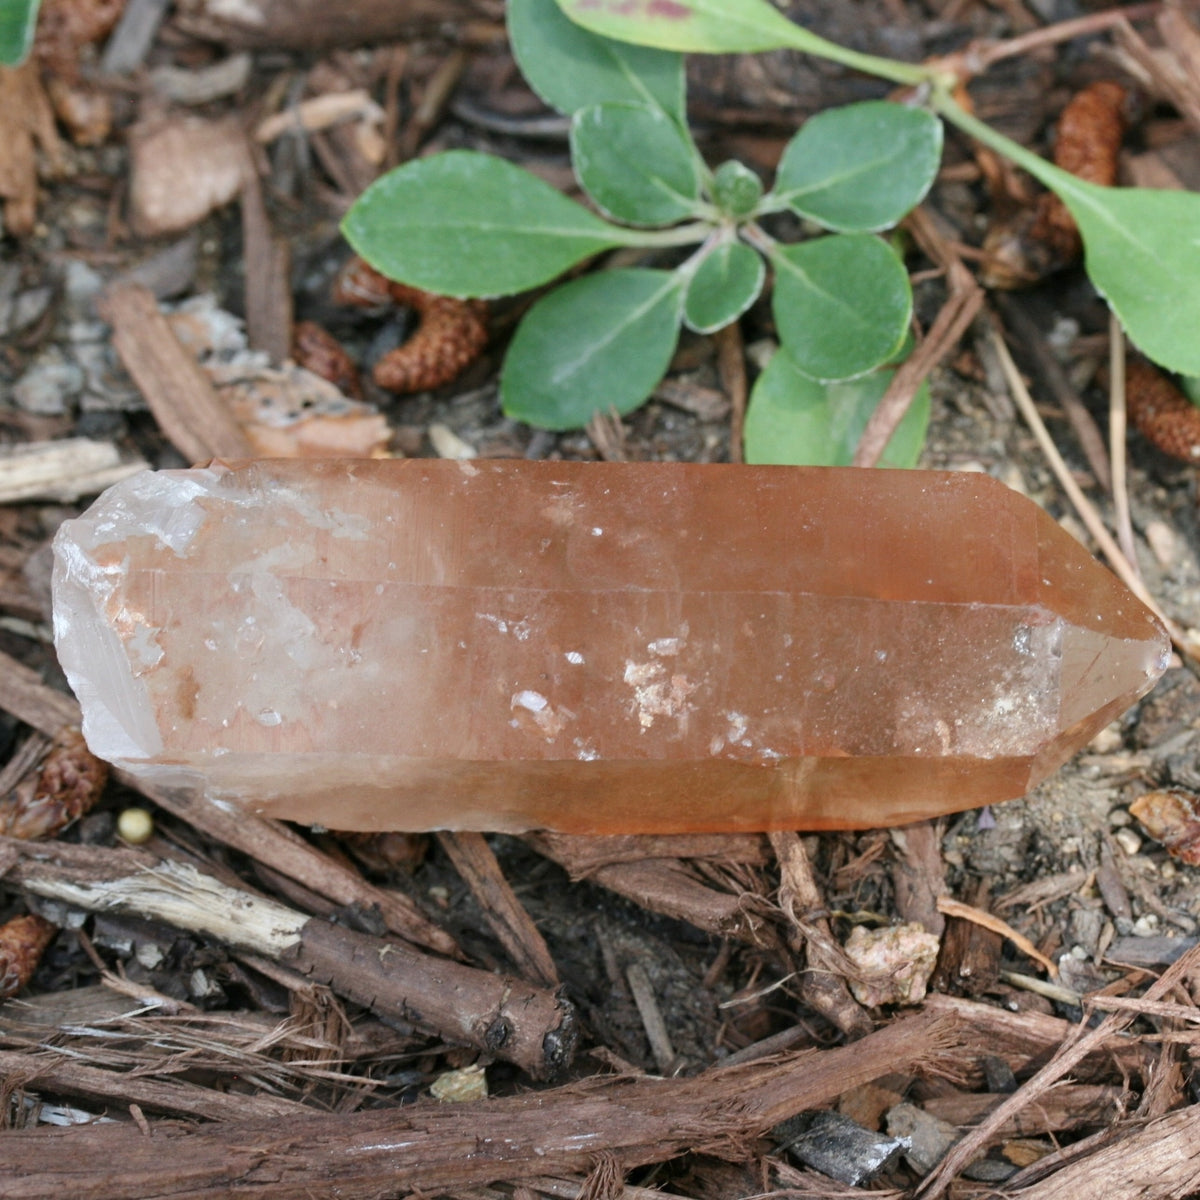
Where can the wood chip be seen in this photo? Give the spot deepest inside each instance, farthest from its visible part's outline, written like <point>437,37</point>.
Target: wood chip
<point>62,470</point>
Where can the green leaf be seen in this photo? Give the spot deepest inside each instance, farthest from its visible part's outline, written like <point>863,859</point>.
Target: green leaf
<point>599,342</point>
<point>1142,247</point>
<point>722,27</point>
<point>727,281</point>
<point>468,224</point>
<point>570,68</point>
<point>634,163</point>
<point>1142,252</point>
<point>861,167</point>
<point>736,190</point>
<point>18,18</point>
<point>842,303</point>
<point>794,420</point>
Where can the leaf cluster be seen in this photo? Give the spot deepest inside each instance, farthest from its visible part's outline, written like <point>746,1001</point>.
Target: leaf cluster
<point>469,224</point>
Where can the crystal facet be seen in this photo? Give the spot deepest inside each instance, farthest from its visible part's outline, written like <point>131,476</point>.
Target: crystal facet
<point>590,647</point>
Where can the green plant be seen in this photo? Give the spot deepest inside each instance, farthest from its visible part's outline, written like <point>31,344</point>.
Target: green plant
<point>1142,246</point>
<point>17,21</point>
<point>469,224</point>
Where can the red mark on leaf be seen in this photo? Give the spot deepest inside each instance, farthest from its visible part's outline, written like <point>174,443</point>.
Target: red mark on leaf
<point>668,9</point>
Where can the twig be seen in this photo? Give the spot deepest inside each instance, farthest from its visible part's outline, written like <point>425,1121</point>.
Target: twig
<point>61,470</point>
<point>964,301</point>
<point>474,861</point>
<point>663,885</point>
<point>731,366</point>
<point>1116,441</point>
<point>1030,338</point>
<point>1156,1162</point>
<point>531,1027</point>
<point>979,57</point>
<point>822,985</point>
<point>939,1180</point>
<point>652,1019</point>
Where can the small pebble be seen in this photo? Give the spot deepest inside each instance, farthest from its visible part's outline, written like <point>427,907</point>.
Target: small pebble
<point>1145,926</point>
<point>1128,841</point>
<point>1119,818</point>
<point>47,386</point>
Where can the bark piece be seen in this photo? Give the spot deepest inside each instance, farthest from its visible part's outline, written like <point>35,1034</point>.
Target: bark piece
<point>175,387</point>
<point>617,647</point>
<point>434,1148</point>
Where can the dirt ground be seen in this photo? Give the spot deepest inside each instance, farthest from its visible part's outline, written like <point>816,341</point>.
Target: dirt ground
<point>682,998</point>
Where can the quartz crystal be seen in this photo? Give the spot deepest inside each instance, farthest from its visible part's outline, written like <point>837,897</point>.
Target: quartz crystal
<point>589,647</point>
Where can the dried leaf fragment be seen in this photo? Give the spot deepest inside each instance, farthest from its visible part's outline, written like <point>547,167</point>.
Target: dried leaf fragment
<point>69,783</point>
<point>23,941</point>
<point>183,168</point>
<point>451,335</point>
<point>290,412</point>
<point>1162,413</point>
<point>1172,817</point>
<point>1039,240</point>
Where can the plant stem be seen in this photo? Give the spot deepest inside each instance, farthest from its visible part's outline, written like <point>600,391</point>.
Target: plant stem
<point>909,74</point>
<point>949,109</point>
<point>680,235</point>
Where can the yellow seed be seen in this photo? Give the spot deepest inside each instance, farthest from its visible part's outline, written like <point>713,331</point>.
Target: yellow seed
<point>135,825</point>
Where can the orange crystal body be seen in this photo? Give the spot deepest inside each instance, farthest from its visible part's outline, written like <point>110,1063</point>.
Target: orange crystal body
<point>590,647</point>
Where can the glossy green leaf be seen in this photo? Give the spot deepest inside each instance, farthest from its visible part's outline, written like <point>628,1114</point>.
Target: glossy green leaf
<point>861,167</point>
<point>794,420</point>
<point>635,163</point>
<point>468,224</point>
<point>842,303</point>
<point>599,342</point>
<point>18,18</point>
<point>727,281</point>
<point>571,68</point>
<point>721,27</point>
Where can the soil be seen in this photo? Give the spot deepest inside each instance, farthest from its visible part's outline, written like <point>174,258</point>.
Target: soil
<point>1067,867</point>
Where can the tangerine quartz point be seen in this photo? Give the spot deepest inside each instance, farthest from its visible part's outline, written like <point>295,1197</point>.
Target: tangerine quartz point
<point>589,647</point>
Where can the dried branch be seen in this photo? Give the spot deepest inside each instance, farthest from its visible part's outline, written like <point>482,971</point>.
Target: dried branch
<point>531,1027</point>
